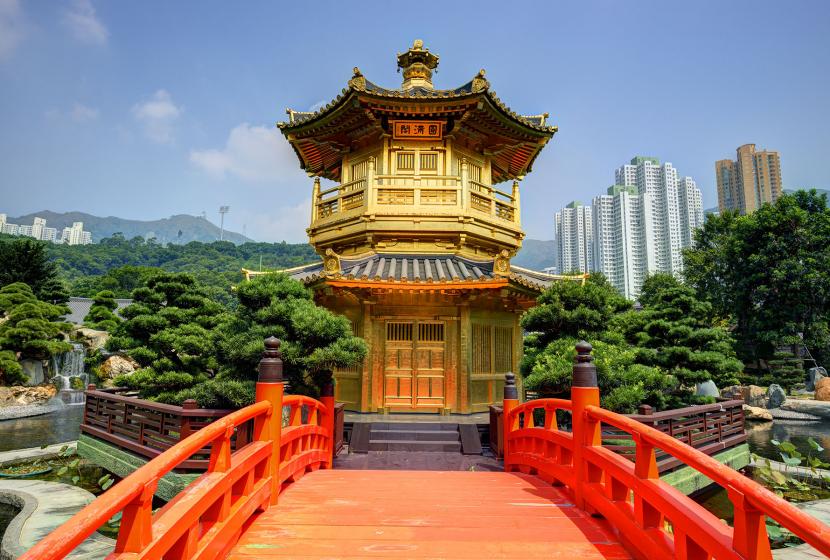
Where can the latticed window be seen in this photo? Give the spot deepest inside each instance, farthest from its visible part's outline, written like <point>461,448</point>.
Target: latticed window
<point>406,161</point>
<point>359,170</point>
<point>429,161</point>
<point>492,348</point>
<point>475,172</point>
<point>431,332</point>
<point>398,332</point>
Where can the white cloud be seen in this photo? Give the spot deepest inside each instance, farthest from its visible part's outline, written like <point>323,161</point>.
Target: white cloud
<point>253,153</point>
<point>81,113</point>
<point>11,27</point>
<point>81,19</point>
<point>157,116</point>
<point>283,223</point>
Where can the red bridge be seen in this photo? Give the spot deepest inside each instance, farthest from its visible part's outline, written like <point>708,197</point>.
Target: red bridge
<point>562,495</point>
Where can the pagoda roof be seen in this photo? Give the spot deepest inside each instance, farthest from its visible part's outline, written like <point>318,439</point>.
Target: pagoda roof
<point>421,271</point>
<point>474,115</point>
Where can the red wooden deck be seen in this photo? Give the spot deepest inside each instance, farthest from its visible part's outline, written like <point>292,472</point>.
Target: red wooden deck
<point>421,514</point>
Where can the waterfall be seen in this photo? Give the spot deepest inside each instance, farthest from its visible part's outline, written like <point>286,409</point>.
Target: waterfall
<point>71,381</point>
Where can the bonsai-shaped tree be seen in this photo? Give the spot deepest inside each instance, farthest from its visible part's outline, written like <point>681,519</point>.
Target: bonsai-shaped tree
<point>315,341</point>
<point>101,316</point>
<point>568,311</point>
<point>32,329</point>
<point>170,331</point>
<point>676,332</point>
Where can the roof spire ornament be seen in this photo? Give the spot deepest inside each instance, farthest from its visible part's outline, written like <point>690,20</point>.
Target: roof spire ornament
<point>417,64</point>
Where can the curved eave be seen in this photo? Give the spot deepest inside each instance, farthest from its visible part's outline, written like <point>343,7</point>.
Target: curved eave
<point>301,121</point>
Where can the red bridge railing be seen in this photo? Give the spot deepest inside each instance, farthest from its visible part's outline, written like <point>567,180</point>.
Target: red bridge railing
<point>204,520</point>
<point>651,517</point>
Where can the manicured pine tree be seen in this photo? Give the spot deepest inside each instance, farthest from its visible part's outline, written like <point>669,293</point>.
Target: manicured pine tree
<point>101,316</point>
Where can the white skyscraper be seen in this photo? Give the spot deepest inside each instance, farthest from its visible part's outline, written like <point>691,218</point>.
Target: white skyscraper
<point>75,235</point>
<point>37,228</point>
<point>644,222</point>
<point>573,237</point>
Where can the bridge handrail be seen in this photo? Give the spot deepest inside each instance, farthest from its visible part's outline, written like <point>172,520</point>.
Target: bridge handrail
<point>201,521</point>
<point>755,497</point>
<point>653,519</point>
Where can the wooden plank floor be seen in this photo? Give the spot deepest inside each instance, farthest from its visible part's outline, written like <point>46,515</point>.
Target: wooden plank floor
<point>425,514</point>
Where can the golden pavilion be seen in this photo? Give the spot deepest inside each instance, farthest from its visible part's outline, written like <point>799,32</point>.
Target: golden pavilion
<point>415,236</point>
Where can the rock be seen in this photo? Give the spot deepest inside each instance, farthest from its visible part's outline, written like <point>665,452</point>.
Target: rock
<point>92,339</point>
<point>757,414</point>
<point>775,396</point>
<point>815,408</point>
<point>754,395</point>
<point>707,389</point>
<point>732,392</point>
<point>33,369</point>
<point>19,395</point>
<point>813,376</point>
<point>823,389</point>
<point>117,365</point>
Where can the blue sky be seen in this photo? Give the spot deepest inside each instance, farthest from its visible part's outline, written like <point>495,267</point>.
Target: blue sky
<point>147,109</point>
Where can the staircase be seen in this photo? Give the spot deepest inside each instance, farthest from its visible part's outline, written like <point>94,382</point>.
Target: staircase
<point>414,437</point>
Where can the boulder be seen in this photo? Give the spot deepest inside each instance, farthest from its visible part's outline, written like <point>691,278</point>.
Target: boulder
<point>33,369</point>
<point>733,392</point>
<point>707,389</point>
<point>823,389</point>
<point>117,365</point>
<point>17,395</point>
<point>754,395</point>
<point>92,339</point>
<point>757,414</point>
<point>813,377</point>
<point>775,396</point>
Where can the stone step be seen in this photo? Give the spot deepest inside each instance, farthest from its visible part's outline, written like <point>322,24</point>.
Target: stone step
<point>408,445</point>
<point>413,435</point>
<point>420,426</point>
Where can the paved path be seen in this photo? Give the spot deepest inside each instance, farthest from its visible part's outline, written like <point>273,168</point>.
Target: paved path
<point>425,514</point>
<point>45,506</point>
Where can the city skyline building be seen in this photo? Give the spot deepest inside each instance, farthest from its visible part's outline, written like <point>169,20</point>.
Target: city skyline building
<point>74,235</point>
<point>746,183</point>
<point>573,238</point>
<point>640,226</point>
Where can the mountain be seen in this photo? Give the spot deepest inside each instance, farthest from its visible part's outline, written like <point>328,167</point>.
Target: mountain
<point>535,254</point>
<point>177,229</point>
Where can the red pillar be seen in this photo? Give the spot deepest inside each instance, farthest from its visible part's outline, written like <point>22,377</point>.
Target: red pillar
<point>511,401</point>
<point>269,387</point>
<point>327,398</point>
<point>586,432</point>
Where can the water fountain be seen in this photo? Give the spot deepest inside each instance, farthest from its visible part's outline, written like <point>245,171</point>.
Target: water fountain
<point>71,381</point>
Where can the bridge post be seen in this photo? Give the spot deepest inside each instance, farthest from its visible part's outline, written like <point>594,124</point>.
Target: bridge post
<point>269,387</point>
<point>327,398</point>
<point>511,401</point>
<point>586,432</point>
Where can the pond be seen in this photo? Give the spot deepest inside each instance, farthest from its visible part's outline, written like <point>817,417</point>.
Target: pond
<point>46,429</point>
<point>796,433</point>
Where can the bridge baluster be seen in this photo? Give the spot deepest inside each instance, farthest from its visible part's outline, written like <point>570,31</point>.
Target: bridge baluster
<point>327,398</point>
<point>586,431</point>
<point>749,537</point>
<point>269,387</point>
<point>511,401</point>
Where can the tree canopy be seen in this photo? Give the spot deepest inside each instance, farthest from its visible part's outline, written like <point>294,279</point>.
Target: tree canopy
<point>192,347</point>
<point>100,315</point>
<point>31,329</point>
<point>26,260</point>
<point>767,272</point>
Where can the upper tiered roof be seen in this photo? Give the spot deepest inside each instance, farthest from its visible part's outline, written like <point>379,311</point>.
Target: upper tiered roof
<point>473,117</point>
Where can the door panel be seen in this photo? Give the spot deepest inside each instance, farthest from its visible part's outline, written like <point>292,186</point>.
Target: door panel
<point>414,365</point>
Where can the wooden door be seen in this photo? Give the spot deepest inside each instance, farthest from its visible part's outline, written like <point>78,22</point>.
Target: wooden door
<point>414,365</point>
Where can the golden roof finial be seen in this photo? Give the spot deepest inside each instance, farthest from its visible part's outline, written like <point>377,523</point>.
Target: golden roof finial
<point>417,64</point>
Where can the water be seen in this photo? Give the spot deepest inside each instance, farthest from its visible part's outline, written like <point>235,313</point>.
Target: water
<point>796,433</point>
<point>46,429</point>
<point>71,381</point>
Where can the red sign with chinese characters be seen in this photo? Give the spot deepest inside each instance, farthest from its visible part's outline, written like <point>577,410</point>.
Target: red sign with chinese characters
<point>416,130</point>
